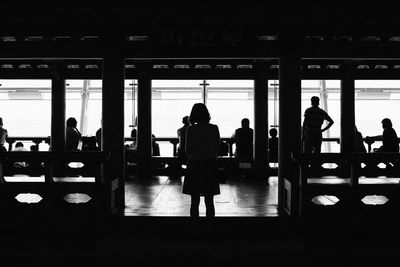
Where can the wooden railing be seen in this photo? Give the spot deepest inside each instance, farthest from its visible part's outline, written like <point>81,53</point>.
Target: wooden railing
<point>59,192</point>
<point>174,141</point>
<point>357,176</point>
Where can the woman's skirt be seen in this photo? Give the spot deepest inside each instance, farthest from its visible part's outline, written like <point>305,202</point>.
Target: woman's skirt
<point>201,177</point>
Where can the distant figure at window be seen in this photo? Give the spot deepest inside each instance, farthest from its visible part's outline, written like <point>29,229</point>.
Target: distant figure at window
<point>134,134</point>
<point>273,145</point>
<point>98,138</point>
<point>358,142</point>
<point>202,145</point>
<point>314,117</point>
<point>133,145</point>
<point>182,139</point>
<point>19,147</point>
<point>243,138</point>
<point>73,135</point>
<point>3,136</point>
<point>389,138</point>
<point>155,146</point>
<point>36,167</point>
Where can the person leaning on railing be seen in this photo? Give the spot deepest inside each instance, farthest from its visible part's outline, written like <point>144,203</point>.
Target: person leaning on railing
<point>389,138</point>
<point>3,136</point>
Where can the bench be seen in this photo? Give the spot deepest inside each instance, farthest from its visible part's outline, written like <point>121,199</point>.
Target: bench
<point>55,192</point>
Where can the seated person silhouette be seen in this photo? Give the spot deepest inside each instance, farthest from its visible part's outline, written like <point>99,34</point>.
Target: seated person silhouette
<point>390,143</point>
<point>19,147</point>
<point>243,138</point>
<point>358,142</point>
<point>389,138</point>
<point>89,143</point>
<point>133,145</point>
<point>155,146</point>
<point>314,117</point>
<point>73,136</point>
<point>223,149</point>
<point>273,145</point>
<point>98,138</point>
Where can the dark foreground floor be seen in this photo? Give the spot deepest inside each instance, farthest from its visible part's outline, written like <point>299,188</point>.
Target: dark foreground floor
<point>180,242</point>
<point>156,239</point>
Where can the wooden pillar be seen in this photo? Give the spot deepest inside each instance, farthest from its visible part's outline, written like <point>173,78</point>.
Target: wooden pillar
<point>347,114</point>
<point>144,148</point>
<point>58,122</point>
<point>289,132</point>
<point>260,155</point>
<point>113,128</point>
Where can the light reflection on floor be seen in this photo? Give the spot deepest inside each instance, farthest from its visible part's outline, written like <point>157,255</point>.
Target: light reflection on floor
<point>239,197</point>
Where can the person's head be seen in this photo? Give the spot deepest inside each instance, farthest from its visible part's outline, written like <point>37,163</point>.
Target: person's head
<point>19,144</point>
<point>71,122</point>
<point>273,132</point>
<point>33,148</point>
<point>199,113</point>
<point>185,120</point>
<point>315,101</point>
<point>1,122</point>
<point>386,123</point>
<point>245,123</point>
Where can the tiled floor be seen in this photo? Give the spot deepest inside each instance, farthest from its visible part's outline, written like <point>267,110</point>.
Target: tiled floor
<point>162,196</point>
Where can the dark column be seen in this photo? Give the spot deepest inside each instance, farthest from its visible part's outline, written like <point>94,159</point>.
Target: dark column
<point>58,122</point>
<point>261,122</point>
<point>289,131</point>
<point>144,149</point>
<point>113,130</point>
<point>347,112</point>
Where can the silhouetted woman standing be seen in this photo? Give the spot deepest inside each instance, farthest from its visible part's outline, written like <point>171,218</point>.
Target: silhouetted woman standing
<point>202,146</point>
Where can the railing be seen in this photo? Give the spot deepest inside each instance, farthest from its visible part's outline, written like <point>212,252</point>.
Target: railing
<point>357,187</point>
<point>36,140</point>
<point>55,188</point>
<point>174,141</point>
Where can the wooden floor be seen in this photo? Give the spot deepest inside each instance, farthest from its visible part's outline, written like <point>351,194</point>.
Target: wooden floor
<point>162,196</point>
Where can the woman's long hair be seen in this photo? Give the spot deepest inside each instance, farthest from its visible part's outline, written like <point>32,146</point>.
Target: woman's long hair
<point>199,113</point>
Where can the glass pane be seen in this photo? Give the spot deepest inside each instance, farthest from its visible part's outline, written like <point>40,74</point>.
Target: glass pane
<point>229,101</point>
<point>171,103</point>
<point>25,106</point>
<point>376,100</point>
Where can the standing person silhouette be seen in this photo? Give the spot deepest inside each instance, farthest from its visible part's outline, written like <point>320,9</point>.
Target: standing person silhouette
<point>182,139</point>
<point>73,136</point>
<point>243,137</point>
<point>273,145</point>
<point>314,117</point>
<point>3,136</point>
<point>202,146</point>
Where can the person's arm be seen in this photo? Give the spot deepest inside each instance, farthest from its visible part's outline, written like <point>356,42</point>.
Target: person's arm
<point>218,140</point>
<point>188,143</point>
<point>303,129</point>
<point>374,138</point>
<point>330,123</point>
<point>233,140</point>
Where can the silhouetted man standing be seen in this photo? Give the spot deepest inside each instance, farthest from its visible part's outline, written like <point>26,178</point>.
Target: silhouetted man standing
<point>314,117</point>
